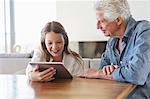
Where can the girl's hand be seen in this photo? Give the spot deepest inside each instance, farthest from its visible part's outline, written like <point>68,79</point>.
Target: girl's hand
<point>44,76</point>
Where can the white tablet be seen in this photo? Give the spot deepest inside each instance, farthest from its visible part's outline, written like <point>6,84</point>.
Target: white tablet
<point>61,71</point>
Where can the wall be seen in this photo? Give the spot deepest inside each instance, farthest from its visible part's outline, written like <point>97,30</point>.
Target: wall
<point>140,9</point>
<point>79,20</point>
<point>79,17</point>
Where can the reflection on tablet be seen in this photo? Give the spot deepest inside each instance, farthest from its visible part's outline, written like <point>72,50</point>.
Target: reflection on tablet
<point>61,71</point>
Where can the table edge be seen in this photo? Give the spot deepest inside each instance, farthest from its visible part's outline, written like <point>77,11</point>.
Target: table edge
<point>126,92</point>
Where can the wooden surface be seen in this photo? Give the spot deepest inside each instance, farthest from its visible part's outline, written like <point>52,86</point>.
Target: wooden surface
<point>18,87</point>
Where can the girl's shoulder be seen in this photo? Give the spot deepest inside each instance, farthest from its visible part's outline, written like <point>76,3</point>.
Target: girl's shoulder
<point>69,58</point>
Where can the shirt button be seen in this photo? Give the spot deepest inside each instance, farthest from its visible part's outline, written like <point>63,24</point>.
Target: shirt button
<point>120,62</point>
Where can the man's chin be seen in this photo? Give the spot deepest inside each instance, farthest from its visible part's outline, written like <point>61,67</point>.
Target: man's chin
<point>107,35</point>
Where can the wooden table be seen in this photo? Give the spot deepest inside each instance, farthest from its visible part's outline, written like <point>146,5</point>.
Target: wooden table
<point>18,87</point>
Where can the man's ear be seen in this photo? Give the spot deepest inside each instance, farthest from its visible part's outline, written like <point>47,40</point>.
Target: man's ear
<point>119,20</point>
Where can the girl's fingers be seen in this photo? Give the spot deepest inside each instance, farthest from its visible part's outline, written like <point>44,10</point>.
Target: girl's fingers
<point>47,71</point>
<point>36,68</point>
<point>49,75</point>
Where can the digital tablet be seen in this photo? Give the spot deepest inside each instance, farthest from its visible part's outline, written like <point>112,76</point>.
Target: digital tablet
<point>61,71</point>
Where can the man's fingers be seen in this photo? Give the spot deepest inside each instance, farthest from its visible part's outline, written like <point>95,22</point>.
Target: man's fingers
<point>107,70</point>
<point>112,68</point>
<point>104,70</point>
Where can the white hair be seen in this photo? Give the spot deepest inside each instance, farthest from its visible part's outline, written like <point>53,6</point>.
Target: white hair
<point>114,8</point>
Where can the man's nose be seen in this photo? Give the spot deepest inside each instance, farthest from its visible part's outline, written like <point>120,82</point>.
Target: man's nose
<point>99,26</point>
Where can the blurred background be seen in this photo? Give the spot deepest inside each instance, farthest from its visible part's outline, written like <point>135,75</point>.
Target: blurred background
<point>21,22</point>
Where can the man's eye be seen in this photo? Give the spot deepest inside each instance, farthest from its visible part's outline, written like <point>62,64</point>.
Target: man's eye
<point>98,22</point>
<point>49,43</point>
<point>102,21</point>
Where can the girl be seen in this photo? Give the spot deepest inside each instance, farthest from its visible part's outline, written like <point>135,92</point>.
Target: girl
<point>54,48</point>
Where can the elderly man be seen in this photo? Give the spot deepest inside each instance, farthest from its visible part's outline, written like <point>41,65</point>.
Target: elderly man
<point>127,54</point>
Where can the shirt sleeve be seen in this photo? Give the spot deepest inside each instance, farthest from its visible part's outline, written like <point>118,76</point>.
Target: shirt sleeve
<point>104,58</point>
<point>78,68</point>
<point>73,65</point>
<point>37,57</point>
<point>136,69</point>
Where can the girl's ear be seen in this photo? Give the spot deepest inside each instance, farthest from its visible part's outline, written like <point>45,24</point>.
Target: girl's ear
<point>119,20</point>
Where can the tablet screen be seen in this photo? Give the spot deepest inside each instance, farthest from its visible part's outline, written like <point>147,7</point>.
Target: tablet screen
<point>61,71</point>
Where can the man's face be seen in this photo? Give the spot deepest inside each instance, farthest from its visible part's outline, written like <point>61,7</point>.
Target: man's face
<point>108,27</point>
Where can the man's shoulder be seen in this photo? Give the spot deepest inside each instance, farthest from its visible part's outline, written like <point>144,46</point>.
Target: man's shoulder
<point>143,24</point>
<point>137,25</point>
<point>142,27</point>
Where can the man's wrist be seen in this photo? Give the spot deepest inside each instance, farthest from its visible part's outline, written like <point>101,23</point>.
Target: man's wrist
<point>101,75</point>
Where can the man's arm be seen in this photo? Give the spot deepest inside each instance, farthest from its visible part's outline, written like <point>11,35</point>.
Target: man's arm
<point>105,58</point>
<point>136,69</point>
<point>98,74</point>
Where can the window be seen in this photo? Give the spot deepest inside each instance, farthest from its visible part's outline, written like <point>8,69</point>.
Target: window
<point>28,17</point>
<point>4,26</point>
<point>2,29</point>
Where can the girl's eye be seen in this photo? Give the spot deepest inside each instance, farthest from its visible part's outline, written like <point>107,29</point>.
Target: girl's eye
<point>59,42</point>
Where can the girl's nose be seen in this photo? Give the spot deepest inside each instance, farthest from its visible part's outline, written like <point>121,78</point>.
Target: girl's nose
<point>54,46</point>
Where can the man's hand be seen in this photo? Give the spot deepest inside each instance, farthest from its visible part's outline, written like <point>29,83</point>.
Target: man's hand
<point>92,73</point>
<point>107,70</point>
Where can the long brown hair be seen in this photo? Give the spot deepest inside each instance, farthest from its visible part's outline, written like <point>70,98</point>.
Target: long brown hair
<point>56,27</point>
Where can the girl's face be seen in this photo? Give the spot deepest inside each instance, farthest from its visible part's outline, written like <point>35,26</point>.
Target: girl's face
<point>55,44</point>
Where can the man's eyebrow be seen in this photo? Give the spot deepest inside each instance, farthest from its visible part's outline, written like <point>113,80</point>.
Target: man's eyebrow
<point>98,19</point>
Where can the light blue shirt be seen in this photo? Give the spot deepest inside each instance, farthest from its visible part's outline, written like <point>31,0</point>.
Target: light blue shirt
<point>134,60</point>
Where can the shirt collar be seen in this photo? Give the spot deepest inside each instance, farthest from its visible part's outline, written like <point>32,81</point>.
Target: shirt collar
<point>130,25</point>
<point>128,32</point>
